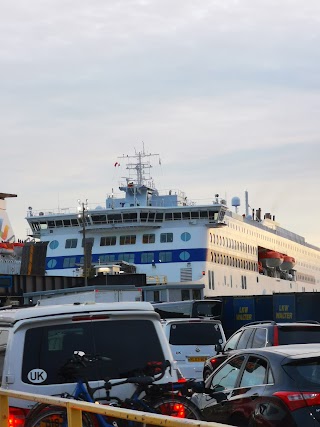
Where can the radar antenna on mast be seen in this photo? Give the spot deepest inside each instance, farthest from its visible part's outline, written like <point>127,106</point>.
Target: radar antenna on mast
<point>139,168</point>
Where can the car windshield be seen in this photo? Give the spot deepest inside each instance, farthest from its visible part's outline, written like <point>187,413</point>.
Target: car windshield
<point>305,372</point>
<point>299,334</point>
<point>201,333</point>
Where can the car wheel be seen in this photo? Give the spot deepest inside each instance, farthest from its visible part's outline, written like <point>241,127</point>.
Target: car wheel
<point>206,374</point>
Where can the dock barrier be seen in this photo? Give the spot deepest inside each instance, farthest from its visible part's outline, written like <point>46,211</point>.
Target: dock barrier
<point>75,408</point>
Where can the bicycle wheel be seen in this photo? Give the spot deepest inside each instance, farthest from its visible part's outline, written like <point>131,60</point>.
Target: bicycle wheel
<point>55,416</point>
<point>176,406</point>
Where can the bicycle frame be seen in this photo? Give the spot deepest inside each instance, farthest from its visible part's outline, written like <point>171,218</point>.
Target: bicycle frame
<point>81,391</point>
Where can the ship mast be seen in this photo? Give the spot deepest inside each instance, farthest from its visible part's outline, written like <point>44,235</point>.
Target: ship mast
<point>139,168</point>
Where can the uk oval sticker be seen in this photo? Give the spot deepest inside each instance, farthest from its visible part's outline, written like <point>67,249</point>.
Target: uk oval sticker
<point>37,376</point>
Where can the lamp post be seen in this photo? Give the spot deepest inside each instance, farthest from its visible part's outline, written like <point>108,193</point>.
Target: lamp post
<point>83,208</point>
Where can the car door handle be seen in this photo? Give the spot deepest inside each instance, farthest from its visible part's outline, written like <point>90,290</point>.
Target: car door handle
<point>254,396</point>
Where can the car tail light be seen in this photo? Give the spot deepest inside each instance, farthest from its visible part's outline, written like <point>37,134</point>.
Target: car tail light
<point>275,335</point>
<point>173,409</point>
<point>296,400</point>
<point>16,417</point>
<point>85,317</point>
<point>213,361</point>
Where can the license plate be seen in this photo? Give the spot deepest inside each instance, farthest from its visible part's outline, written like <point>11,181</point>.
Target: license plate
<point>197,359</point>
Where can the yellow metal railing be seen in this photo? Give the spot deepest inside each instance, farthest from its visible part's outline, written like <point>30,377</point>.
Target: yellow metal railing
<point>75,408</point>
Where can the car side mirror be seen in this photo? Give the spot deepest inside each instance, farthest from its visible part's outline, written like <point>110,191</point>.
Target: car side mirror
<point>218,348</point>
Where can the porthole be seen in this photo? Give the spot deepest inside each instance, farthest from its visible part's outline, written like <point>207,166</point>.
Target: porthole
<point>185,236</point>
<point>52,263</point>
<point>184,256</point>
<point>53,244</point>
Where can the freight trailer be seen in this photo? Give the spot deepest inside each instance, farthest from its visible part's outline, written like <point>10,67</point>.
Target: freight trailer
<point>84,294</point>
<point>296,307</point>
<point>282,308</point>
<point>238,311</point>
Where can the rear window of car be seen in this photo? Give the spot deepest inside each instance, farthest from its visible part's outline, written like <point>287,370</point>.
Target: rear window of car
<point>129,344</point>
<point>299,334</point>
<point>305,372</point>
<point>202,333</point>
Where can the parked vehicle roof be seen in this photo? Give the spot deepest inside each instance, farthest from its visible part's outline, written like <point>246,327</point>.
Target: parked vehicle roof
<point>13,315</point>
<point>190,320</point>
<point>299,350</point>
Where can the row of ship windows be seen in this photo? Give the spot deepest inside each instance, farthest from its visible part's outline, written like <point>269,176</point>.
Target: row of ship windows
<point>306,278</point>
<point>129,217</point>
<point>244,247</point>
<point>145,258</point>
<point>309,266</point>
<point>129,239</point>
<point>233,261</point>
<point>275,241</point>
<point>233,244</point>
<point>212,283</point>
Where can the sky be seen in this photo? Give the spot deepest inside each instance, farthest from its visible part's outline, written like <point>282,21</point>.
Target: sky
<point>227,92</point>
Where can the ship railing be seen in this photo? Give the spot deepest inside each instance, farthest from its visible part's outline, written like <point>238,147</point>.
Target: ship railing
<point>157,280</point>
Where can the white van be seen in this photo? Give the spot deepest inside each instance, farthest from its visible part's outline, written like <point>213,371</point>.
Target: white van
<point>192,341</point>
<point>35,342</point>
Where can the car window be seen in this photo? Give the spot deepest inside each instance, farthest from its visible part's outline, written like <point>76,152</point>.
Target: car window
<point>306,372</point>
<point>227,376</point>
<point>270,377</point>
<point>197,333</point>
<point>53,346</point>
<point>254,372</point>
<point>259,338</point>
<point>232,341</point>
<point>243,341</point>
<point>298,334</point>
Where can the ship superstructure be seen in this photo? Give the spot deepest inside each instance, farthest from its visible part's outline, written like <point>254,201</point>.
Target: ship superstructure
<point>172,240</point>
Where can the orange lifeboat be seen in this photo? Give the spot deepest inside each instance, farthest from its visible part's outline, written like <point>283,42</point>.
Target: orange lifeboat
<point>6,248</point>
<point>260,268</point>
<point>288,262</point>
<point>271,259</point>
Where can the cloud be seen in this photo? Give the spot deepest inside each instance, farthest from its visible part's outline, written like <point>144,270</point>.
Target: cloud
<point>226,91</point>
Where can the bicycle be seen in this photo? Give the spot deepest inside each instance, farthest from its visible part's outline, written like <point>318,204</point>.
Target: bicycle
<point>166,399</point>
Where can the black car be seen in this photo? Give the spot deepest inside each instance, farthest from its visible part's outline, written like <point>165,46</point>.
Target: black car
<point>271,386</point>
<point>263,334</point>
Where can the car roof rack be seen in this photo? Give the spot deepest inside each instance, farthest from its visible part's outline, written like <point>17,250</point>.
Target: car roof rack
<point>261,322</point>
<point>314,322</point>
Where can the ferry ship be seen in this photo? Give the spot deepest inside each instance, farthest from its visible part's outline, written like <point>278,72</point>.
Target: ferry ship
<point>174,241</point>
<point>10,248</point>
